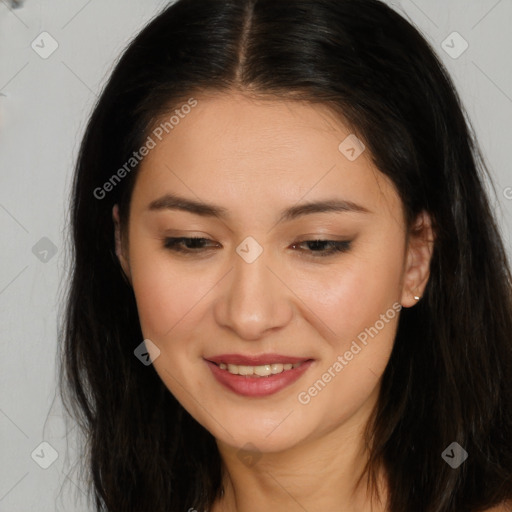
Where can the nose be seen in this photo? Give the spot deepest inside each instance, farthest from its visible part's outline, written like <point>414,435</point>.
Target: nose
<point>254,298</point>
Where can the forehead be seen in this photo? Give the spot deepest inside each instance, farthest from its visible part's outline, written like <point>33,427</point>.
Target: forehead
<point>237,126</point>
<point>236,150</point>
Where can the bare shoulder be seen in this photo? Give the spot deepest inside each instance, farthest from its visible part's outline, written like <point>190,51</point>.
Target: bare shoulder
<point>502,507</point>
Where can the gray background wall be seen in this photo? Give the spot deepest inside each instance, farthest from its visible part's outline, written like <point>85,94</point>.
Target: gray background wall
<point>45,100</point>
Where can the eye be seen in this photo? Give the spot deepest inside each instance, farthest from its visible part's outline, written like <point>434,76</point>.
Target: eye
<point>174,244</point>
<point>336,247</point>
<point>196,245</point>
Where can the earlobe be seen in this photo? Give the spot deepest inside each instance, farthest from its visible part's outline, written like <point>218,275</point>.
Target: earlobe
<point>119,245</point>
<point>419,255</point>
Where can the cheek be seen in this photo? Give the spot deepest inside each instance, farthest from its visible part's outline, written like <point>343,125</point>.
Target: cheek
<point>162,291</point>
<point>346,298</point>
<point>359,303</point>
<point>349,374</point>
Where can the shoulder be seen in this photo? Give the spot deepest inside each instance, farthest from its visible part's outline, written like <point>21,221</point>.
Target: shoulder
<point>502,507</point>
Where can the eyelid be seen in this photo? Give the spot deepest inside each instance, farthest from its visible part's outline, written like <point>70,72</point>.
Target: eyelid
<point>338,247</point>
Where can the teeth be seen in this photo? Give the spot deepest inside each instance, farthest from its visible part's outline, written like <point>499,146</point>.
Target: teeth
<point>261,371</point>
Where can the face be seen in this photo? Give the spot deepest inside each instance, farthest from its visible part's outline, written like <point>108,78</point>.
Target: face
<point>308,300</point>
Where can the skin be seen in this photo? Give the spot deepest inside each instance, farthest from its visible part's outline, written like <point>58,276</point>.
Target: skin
<point>255,158</point>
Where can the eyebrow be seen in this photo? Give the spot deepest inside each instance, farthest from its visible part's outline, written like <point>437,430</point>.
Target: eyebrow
<point>175,202</point>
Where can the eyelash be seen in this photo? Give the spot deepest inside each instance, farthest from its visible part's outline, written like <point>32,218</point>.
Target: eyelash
<point>337,246</point>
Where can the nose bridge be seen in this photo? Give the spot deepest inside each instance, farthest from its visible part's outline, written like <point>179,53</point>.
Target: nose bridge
<point>255,300</point>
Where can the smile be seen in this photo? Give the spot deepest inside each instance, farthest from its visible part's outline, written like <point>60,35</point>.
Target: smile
<point>258,371</point>
<point>262,377</point>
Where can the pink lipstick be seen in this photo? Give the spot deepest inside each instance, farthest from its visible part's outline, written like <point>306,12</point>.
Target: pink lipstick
<point>257,376</point>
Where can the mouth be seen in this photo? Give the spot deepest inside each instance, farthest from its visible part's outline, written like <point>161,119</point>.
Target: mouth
<point>263,370</point>
<point>257,375</point>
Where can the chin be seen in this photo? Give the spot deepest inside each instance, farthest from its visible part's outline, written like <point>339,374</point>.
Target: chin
<point>265,435</point>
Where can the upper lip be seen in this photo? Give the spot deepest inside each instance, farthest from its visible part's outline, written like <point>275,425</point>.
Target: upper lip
<point>262,359</point>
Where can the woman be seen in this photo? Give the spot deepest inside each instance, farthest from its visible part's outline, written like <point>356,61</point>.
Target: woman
<point>288,288</point>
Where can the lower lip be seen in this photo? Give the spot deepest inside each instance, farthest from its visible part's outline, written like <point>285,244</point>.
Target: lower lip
<point>258,386</point>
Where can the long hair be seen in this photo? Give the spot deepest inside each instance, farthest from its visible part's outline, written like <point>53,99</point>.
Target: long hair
<point>449,375</point>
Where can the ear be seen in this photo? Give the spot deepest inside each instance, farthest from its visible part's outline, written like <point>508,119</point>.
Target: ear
<point>418,257</point>
<point>120,251</point>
